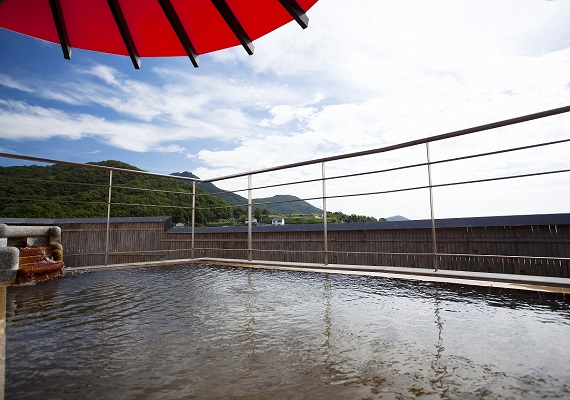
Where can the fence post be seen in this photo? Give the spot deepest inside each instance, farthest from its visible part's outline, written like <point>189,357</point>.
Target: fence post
<point>108,216</point>
<point>193,215</point>
<point>433,237</point>
<point>325,228</point>
<point>249,216</point>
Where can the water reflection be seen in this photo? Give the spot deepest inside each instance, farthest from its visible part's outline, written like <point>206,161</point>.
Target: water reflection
<point>250,312</point>
<point>438,366</point>
<point>215,332</point>
<point>327,318</point>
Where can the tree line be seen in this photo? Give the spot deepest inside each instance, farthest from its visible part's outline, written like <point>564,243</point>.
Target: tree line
<point>62,191</point>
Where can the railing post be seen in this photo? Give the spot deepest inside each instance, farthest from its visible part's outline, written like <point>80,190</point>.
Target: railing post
<point>193,215</point>
<point>108,216</point>
<point>249,216</point>
<point>433,237</point>
<point>325,228</point>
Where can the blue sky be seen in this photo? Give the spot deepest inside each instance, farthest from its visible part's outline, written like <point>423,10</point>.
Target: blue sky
<point>360,77</point>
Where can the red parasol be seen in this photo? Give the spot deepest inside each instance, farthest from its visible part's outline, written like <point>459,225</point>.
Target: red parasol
<point>151,28</point>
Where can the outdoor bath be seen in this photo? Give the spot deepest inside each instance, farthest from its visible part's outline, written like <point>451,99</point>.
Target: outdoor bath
<point>202,331</point>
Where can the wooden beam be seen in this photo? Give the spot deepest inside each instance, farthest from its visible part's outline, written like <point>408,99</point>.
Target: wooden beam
<point>125,32</point>
<point>181,33</point>
<point>234,24</point>
<point>57,13</point>
<point>295,10</point>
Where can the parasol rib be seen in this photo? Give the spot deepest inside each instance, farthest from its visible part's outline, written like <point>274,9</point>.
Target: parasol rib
<point>125,32</point>
<point>61,28</point>
<point>234,24</point>
<point>295,10</point>
<point>181,33</point>
<point>194,26</point>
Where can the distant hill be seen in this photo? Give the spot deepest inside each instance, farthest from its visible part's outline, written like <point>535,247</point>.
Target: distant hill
<point>286,205</point>
<point>397,218</point>
<point>282,204</point>
<point>232,198</point>
<point>62,191</point>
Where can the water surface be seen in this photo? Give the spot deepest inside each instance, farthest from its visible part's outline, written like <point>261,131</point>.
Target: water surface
<point>201,332</point>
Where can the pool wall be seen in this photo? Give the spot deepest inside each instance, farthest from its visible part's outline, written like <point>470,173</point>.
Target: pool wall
<point>534,244</point>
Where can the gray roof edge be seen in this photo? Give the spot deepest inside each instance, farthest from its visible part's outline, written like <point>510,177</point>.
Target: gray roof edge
<point>465,222</point>
<point>58,221</point>
<point>493,221</point>
<point>474,222</point>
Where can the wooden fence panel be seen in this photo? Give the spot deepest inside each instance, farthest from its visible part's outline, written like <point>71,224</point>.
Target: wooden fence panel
<point>84,245</point>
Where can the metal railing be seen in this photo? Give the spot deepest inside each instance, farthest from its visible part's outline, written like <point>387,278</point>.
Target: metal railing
<point>428,164</point>
<point>321,182</point>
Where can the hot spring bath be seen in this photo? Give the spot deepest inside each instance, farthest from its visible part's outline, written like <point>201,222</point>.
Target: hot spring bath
<point>193,331</point>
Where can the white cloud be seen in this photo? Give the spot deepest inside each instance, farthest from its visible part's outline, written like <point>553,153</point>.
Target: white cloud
<point>11,83</point>
<point>173,148</point>
<point>283,114</point>
<point>20,122</point>
<point>105,73</point>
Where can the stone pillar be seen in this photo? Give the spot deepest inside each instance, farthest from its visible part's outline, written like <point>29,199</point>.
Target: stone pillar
<point>9,257</point>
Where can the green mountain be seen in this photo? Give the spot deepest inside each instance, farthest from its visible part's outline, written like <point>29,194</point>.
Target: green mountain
<point>397,218</point>
<point>62,191</point>
<point>278,205</point>
<point>283,204</point>
<point>231,198</point>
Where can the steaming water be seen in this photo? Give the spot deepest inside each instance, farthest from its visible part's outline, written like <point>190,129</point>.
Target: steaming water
<point>229,333</point>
